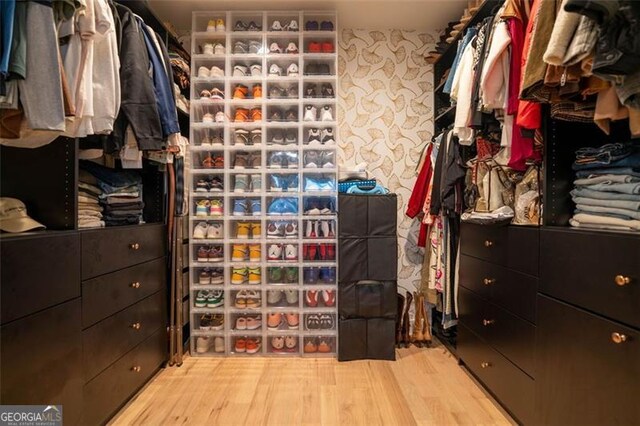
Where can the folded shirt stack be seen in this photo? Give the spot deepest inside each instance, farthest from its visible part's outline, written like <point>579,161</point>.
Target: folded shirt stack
<point>89,208</point>
<point>607,188</point>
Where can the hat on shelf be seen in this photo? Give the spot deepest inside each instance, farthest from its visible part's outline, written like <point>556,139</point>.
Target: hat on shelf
<point>14,218</point>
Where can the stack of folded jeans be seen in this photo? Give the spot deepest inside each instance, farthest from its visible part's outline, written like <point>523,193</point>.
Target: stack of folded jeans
<point>607,187</point>
<point>89,208</point>
<point>121,195</point>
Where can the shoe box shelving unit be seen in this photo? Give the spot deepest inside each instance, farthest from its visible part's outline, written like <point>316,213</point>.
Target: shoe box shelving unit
<point>281,184</point>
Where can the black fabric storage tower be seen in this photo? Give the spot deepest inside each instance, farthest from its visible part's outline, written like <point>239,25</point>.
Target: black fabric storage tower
<point>367,285</point>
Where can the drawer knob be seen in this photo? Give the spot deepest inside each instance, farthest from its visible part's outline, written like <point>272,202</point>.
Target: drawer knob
<point>134,246</point>
<point>135,284</point>
<point>618,337</point>
<point>136,369</point>
<point>621,280</point>
<point>487,322</point>
<point>136,326</point>
<point>488,243</point>
<point>489,281</point>
<point>485,365</point>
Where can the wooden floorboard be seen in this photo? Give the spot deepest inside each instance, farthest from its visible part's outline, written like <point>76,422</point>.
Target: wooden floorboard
<point>423,387</point>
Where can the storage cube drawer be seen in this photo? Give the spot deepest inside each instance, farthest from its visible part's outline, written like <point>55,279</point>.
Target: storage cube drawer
<point>588,368</point>
<point>373,258</point>
<point>513,388</point>
<point>111,338</point>
<point>109,250</point>
<point>599,272</point>
<point>368,299</point>
<point>108,294</point>
<point>368,215</point>
<point>37,272</point>
<point>106,393</point>
<point>366,339</point>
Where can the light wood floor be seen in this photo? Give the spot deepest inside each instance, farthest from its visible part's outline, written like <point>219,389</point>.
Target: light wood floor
<point>424,386</point>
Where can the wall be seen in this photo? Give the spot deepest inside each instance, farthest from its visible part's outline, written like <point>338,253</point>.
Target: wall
<point>385,117</point>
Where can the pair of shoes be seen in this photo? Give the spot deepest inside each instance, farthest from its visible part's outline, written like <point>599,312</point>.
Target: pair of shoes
<point>317,137</point>
<point>203,344</point>
<point>209,208</point>
<point>291,48</point>
<point>212,139</point>
<point>211,276</point>
<point>242,252</point>
<point>214,94</point>
<point>244,229</point>
<point>311,113</point>
<point>282,297</point>
<point>279,321</point>
<point>321,345</point>
<point>245,275</point>
<point>283,207</point>
<point>291,26</point>
<point>210,254</point>
<point>318,47</point>
<point>278,137</point>
<point>213,49</point>
<point>219,117</point>
<point>319,206</point>
<point>317,69</point>
<point>319,252</point>
<point>284,344</point>
<point>319,229</point>
<point>213,72</point>
<point>324,275</point>
<point>251,26</point>
<point>319,321</point>
<point>210,184</point>
<point>277,92</point>
<point>247,183</point>
<point>241,91</point>
<point>283,160</point>
<point>282,229</point>
<point>313,26</point>
<point>204,230</point>
<point>284,183</point>
<point>312,298</point>
<point>290,115</point>
<point>254,70</point>
<point>276,70</point>
<point>247,160</point>
<point>248,345</point>
<point>280,252</point>
<point>244,207</point>
<point>248,138</point>
<point>326,91</point>
<point>319,184</point>
<point>319,159</point>
<point>248,322</point>
<point>209,299</point>
<point>282,275</point>
<point>215,161</point>
<point>216,25</point>
<point>253,47</point>
<point>247,299</point>
<point>213,322</point>
<point>243,115</point>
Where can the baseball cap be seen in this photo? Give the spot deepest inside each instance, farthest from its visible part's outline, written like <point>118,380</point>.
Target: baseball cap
<point>13,216</point>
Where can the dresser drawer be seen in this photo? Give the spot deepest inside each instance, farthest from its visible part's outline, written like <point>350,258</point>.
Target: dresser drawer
<point>111,338</point>
<point>512,337</point>
<point>110,390</point>
<point>583,268</point>
<point>474,312</point>
<point>109,250</point>
<point>484,242</point>
<point>583,377</point>
<point>37,272</point>
<point>108,294</point>
<point>511,387</point>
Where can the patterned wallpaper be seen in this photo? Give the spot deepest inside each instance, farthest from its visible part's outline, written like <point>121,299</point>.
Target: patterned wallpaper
<point>385,117</point>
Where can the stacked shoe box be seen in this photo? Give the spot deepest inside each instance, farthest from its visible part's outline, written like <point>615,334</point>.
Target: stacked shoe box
<point>367,287</point>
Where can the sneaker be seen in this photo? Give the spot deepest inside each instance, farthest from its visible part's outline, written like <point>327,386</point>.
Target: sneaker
<point>255,253</point>
<point>239,253</point>
<point>327,91</point>
<point>242,230</point>
<point>314,47</point>
<point>256,115</point>
<point>291,252</point>
<point>240,345</point>
<point>202,185</point>
<point>216,94</point>
<point>216,139</point>
<point>203,208</point>
<point>240,207</point>
<point>274,297</point>
<point>217,276</point>
<point>241,137</point>
<point>218,344</point>
<point>255,276</point>
<point>254,27</point>
<point>310,91</point>
<point>311,69</point>
<point>241,323</point>
<point>311,26</point>
<point>203,344</point>
<point>275,70</point>
<point>208,118</point>
<point>323,69</point>
<point>203,254</point>
<point>200,231</point>
<point>240,71</point>
<point>327,47</point>
<point>204,72</point>
<point>310,275</point>
<point>292,158</point>
<point>257,91</point>
<point>275,48</point>
<point>290,343</point>
<point>275,230</point>
<point>276,275</point>
<point>253,345</point>
<point>292,48</point>
<point>328,160</point>
<point>216,254</point>
<point>205,321</point>
<point>291,115</point>
<point>326,26</point>
<point>241,184</point>
<point>326,114</point>
<point>276,26</point>
<point>276,183</point>
<point>211,25</point>
<point>253,299</point>
<point>276,92</point>
<point>274,320</point>
<point>327,137</point>
<point>329,297</point>
<point>240,161</point>
<point>255,47</point>
<point>292,70</point>
<point>312,322</point>
<point>277,344</point>
<point>220,118</point>
<point>256,207</point>
<point>256,230</point>
<point>314,137</point>
<point>291,296</point>
<point>311,298</point>
<point>277,137</point>
<point>256,183</point>
<point>215,299</point>
<point>219,49</point>
<point>292,92</point>
<point>201,299</point>
<point>292,26</point>
<point>239,275</point>
<point>255,137</point>
<point>291,138</point>
<point>216,72</point>
<point>240,48</point>
<point>217,322</point>
<point>310,346</point>
<point>276,115</point>
<point>324,346</point>
<point>205,274</point>
<point>241,115</point>
<point>219,25</point>
<point>293,321</point>
<point>310,113</point>
<point>256,70</point>
<point>216,185</point>
<point>240,91</point>
<point>276,160</point>
<point>291,230</point>
<point>207,49</point>
<point>215,231</point>
<point>311,159</point>
<point>274,252</point>
<point>254,323</point>
<point>291,275</point>
<point>327,322</point>
<point>240,26</point>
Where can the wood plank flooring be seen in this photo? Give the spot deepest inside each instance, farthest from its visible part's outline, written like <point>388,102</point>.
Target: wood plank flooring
<point>423,387</point>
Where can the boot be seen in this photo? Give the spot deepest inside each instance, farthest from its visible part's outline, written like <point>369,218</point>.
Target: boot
<point>426,330</point>
<point>418,326</point>
<point>406,327</point>
<point>399,320</point>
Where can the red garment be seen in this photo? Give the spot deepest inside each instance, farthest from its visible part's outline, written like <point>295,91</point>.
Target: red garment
<point>516,32</point>
<point>529,113</point>
<point>422,237</point>
<point>419,193</point>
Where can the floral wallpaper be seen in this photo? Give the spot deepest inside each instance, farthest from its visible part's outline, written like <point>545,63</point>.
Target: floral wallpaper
<point>385,118</point>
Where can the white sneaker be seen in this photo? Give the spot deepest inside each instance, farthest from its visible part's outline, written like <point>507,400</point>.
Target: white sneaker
<point>211,25</point>
<point>219,117</point>
<point>218,342</point>
<point>314,137</point>
<point>219,49</point>
<point>214,231</point>
<point>327,137</point>
<point>310,232</point>
<point>202,344</point>
<point>207,118</point>
<point>274,252</point>
<point>310,113</point>
<point>324,226</point>
<point>204,72</point>
<point>275,48</point>
<point>256,70</point>
<point>216,71</point>
<point>290,252</point>
<point>326,114</point>
<point>291,48</point>
<point>275,71</point>
<point>200,231</point>
<point>276,26</point>
<point>292,71</point>
<point>207,49</point>
<point>293,26</point>
<point>240,71</point>
<point>220,25</point>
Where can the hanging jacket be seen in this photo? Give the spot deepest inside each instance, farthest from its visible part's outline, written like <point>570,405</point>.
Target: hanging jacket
<point>529,113</point>
<point>419,193</point>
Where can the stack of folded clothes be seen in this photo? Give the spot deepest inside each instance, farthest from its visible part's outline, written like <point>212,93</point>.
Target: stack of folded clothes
<point>121,195</point>
<point>607,187</point>
<point>89,208</point>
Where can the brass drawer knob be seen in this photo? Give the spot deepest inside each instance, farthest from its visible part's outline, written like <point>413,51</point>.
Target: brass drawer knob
<point>618,337</point>
<point>489,281</point>
<point>135,284</point>
<point>136,326</point>
<point>488,243</point>
<point>487,322</point>
<point>485,365</point>
<point>621,280</point>
<point>136,369</point>
<point>134,246</point>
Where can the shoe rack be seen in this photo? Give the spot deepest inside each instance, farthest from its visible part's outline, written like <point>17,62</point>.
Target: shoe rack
<point>267,166</point>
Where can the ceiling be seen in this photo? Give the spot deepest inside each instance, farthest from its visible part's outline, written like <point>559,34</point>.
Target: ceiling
<point>421,15</point>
